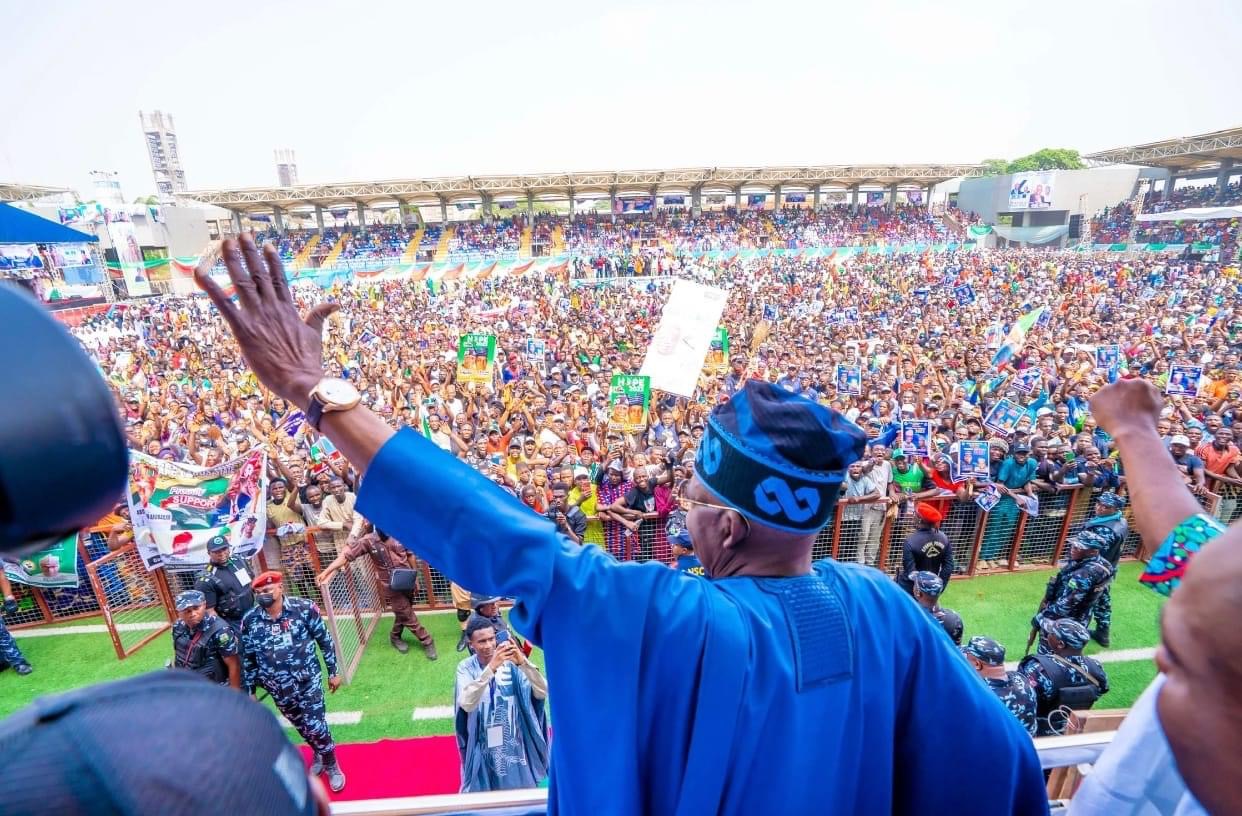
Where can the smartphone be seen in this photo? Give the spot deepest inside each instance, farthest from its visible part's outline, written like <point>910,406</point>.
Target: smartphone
<point>502,636</point>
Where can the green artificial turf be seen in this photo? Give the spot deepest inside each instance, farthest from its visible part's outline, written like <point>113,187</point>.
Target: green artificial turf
<point>388,686</point>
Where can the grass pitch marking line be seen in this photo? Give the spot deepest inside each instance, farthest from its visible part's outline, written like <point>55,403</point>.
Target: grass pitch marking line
<point>1119,656</point>
<point>334,718</point>
<point>87,629</point>
<point>433,713</point>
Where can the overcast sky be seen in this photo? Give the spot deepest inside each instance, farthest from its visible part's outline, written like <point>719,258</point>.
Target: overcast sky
<point>411,89</point>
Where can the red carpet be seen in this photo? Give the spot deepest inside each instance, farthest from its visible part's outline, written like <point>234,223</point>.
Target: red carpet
<point>389,768</point>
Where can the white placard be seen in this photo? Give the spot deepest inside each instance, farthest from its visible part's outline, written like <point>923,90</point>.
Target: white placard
<point>680,343</point>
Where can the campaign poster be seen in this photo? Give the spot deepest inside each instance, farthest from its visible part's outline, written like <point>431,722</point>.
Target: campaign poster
<point>1004,416</point>
<point>964,294</point>
<point>849,380</point>
<point>1026,380</point>
<point>51,567</point>
<point>973,459</point>
<point>987,498</point>
<point>536,350</point>
<point>476,356</point>
<point>1031,191</point>
<point>718,351</point>
<point>916,437</point>
<point>1108,358</point>
<point>176,509</point>
<point>1183,380</point>
<point>629,399</point>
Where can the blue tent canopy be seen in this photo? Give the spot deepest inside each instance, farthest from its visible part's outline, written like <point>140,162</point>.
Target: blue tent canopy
<point>18,226</point>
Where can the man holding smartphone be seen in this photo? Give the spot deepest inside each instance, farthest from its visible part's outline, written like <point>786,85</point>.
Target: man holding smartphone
<point>501,704</point>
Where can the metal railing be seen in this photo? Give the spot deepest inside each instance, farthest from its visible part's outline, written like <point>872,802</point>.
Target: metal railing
<point>1070,751</point>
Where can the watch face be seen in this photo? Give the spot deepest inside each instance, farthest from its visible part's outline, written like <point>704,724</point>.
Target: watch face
<point>337,392</point>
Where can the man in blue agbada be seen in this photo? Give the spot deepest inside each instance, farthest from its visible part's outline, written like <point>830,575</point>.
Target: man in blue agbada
<point>778,686</point>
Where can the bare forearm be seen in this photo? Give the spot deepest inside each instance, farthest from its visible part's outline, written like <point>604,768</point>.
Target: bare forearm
<point>1158,495</point>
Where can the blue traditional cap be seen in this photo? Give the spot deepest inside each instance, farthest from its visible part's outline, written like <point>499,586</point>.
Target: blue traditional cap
<point>927,582</point>
<point>1069,631</point>
<point>988,651</point>
<point>189,598</point>
<point>777,458</point>
<point>1111,499</point>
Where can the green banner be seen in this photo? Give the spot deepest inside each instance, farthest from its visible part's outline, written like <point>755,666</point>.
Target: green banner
<point>1117,248</point>
<point>629,399</point>
<point>55,566</point>
<point>979,229</point>
<point>476,354</point>
<point>1200,246</point>
<point>718,351</point>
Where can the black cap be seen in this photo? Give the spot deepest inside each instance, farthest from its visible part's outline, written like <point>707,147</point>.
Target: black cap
<point>216,543</point>
<point>93,751</point>
<point>59,426</point>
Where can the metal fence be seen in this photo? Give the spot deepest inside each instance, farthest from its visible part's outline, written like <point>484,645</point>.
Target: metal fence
<point>135,603</point>
<point>1005,539</point>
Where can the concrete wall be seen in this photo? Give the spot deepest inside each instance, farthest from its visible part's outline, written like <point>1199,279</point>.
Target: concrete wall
<point>1102,186</point>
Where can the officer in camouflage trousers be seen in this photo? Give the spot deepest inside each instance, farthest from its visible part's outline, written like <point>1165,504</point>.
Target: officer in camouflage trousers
<point>278,654</point>
<point>1064,679</point>
<point>1073,591</point>
<point>1108,522</point>
<point>10,655</point>
<point>987,658</point>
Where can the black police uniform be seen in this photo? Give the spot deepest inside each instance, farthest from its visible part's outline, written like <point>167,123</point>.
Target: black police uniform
<point>225,592</point>
<point>926,550</point>
<point>1075,682</point>
<point>204,648</point>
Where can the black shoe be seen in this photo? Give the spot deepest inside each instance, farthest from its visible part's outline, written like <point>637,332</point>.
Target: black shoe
<point>23,669</point>
<point>398,644</point>
<point>461,641</point>
<point>430,651</point>
<point>1100,636</point>
<point>336,779</point>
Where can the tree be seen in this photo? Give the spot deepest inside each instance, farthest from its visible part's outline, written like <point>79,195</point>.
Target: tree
<point>150,201</point>
<point>995,167</point>
<point>1050,158</point>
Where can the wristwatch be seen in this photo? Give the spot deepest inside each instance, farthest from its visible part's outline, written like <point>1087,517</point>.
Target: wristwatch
<point>330,394</point>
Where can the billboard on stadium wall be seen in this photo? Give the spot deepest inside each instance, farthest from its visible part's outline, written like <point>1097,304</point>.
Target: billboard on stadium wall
<point>1031,191</point>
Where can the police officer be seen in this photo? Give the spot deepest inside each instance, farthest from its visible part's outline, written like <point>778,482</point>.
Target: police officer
<point>926,549</point>
<point>987,658</point>
<point>1075,588</point>
<point>278,654</point>
<point>1108,522</point>
<point>10,655</point>
<point>203,643</point>
<point>1064,679</point>
<point>225,583</point>
<point>927,589</point>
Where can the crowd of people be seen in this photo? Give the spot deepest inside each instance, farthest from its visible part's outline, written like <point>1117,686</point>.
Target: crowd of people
<point>933,337</point>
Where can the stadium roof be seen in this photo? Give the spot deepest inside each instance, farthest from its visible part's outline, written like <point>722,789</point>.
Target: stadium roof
<point>1187,154</point>
<point>12,191</point>
<point>554,186</point>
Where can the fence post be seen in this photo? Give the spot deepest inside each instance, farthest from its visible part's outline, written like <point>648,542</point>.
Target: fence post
<point>41,603</point>
<point>1065,525</point>
<point>978,542</point>
<point>106,609</point>
<point>1017,540</point>
<point>886,535</point>
<point>432,601</point>
<point>836,533</point>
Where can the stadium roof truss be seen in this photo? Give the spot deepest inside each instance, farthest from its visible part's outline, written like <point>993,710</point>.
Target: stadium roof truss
<point>1188,154</point>
<point>545,186</point>
<point>11,191</point>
